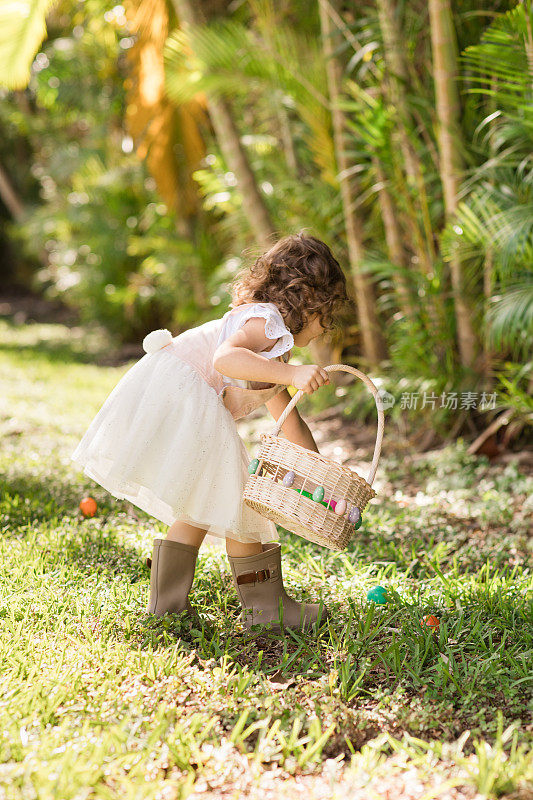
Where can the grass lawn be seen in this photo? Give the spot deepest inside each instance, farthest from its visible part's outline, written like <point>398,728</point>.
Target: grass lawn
<point>99,699</point>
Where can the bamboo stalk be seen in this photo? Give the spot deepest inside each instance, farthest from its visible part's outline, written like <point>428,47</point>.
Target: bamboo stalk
<point>9,197</point>
<point>448,109</point>
<point>190,14</point>
<point>393,238</point>
<point>372,337</point>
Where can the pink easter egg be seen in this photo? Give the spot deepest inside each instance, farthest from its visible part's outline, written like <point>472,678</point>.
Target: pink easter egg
<point>330,504</point>
<point>340,507</point>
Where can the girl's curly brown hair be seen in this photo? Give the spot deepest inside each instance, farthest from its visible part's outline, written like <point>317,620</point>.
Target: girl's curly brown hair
<point>301,276</point>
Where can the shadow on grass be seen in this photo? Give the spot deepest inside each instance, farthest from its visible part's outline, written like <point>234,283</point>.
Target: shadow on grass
<point>28,499</point>
<point>57,351</point>
<point>360,643</point>
<point>69,348</point>
<point>92,546</point>
<point>53,352</point>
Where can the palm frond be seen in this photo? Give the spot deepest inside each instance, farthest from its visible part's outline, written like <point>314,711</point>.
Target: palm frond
<point>514,381</point>
<point>368,118</point>
<point>499,66</point>
<point>230,57</point>
<point>227,58</point>
<point>22,29</point>
<point>510,318</point>
<point>493,219</point>
<point>154,123</point>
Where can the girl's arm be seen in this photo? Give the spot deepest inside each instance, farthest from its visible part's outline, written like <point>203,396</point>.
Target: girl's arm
<point>239,357</point>
<point>294,428</point>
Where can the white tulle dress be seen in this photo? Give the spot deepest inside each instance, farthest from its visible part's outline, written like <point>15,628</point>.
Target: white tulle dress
<point>165,440</point>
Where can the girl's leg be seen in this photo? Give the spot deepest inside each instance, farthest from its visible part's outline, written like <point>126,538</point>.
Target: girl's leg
<point>172,568</point>
<point>257,577</point>
<point>184,533</point>
<point>237,549</point>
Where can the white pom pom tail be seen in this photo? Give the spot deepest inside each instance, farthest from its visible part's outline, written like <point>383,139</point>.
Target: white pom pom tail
<point>155,340</point>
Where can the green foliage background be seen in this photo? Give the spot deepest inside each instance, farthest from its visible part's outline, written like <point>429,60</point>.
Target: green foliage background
<point>96,233</point>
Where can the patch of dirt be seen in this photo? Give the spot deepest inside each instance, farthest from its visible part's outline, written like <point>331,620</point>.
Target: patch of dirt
<point>393,782</point>
<point>348,441</point>
<point>23,307</point>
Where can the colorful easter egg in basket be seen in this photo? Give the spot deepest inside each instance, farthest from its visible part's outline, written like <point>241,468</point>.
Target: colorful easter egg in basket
<point>354,515</point>
<point>340,507</point>
<point>288,478</point>
<point>337,487</point>
<point>318,494</point>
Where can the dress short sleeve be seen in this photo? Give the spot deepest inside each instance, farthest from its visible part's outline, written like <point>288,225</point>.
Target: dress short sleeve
<point>275,328</point>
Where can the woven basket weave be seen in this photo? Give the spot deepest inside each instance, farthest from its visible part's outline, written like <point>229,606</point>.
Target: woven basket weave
<point>265,492</point>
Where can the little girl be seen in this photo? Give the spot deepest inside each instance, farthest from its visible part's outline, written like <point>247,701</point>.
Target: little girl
<point>165,438</point>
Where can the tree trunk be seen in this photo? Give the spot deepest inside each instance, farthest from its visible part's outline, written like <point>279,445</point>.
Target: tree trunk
<point>188,227</point>
<point>487,354</point>
<point>190,14</point>
<point>9,196</point>
<point>488,264</point>
<point>397,77</point>
<point>285,136</point>
<point>447,103</point>
<point>393,238</point>
<point>371,335</point>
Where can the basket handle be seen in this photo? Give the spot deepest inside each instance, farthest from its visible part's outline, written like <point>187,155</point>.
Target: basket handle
<point>381,420</point>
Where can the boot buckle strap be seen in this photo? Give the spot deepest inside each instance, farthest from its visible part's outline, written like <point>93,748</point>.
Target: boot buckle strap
<point>259,576</point>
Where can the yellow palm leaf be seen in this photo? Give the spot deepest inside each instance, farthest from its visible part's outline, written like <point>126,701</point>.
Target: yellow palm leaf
<point>22,29</point>
<point>168,138</point>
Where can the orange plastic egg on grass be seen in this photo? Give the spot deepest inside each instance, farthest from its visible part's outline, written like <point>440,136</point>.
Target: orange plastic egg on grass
<point>430,622</point>
<point>88,506</point>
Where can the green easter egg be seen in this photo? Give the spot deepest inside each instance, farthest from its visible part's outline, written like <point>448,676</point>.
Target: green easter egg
<point>305,493</point>
<point>358,524</point>
<point>318,494</point>
<point>252,466</point>
<point>377,594</point>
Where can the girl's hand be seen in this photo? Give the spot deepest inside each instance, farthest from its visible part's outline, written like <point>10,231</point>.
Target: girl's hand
<point>309,377</point>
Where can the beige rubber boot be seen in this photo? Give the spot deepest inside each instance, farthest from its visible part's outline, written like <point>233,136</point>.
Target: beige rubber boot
<point>171,575</point>
<point>259,584</point>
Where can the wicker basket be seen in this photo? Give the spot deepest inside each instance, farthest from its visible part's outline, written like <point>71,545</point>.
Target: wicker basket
<point>307,471</point>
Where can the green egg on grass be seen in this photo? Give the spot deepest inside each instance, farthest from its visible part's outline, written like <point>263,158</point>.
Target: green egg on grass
<point>377,594</point>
